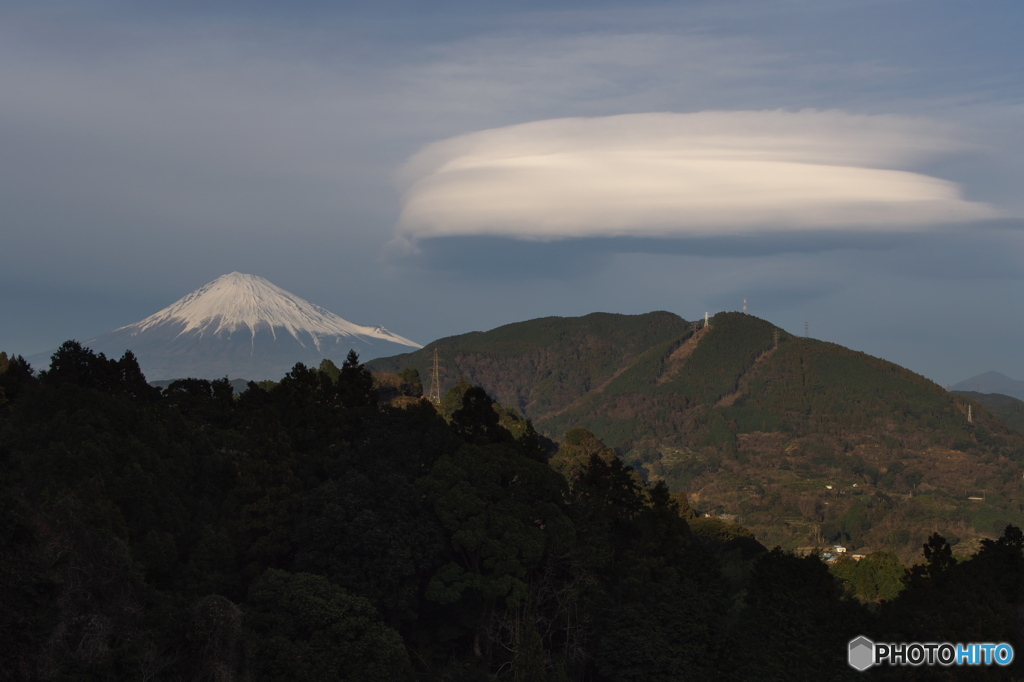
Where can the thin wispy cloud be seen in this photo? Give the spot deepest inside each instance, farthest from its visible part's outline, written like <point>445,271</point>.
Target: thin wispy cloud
<point>701,174</point>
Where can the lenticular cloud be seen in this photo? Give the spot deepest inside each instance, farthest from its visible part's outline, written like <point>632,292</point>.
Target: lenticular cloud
<point>700,174</point>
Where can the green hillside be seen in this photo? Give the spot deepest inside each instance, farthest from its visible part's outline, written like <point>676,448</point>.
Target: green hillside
<point>805,442</point>
<point>1007,408</point>
<point>542,365</point>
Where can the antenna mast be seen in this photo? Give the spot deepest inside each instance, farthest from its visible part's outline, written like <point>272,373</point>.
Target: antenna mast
<point>744,305</point>
<point>435,381</point>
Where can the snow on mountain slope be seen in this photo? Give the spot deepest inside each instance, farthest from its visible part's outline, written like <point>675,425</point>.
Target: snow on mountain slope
<point>236,301</point>
<point>241,326</point>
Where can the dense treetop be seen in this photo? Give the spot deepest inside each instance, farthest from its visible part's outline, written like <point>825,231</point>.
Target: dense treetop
<point>309,530</point>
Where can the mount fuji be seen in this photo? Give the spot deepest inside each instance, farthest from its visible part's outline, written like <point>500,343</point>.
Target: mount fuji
<point>243,326</point>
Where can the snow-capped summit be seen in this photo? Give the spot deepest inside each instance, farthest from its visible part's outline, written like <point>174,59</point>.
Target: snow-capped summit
<point>243,326</point>
<point>235,302</point>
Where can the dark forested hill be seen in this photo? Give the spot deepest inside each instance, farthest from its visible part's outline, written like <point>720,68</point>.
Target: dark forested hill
<point>311,530</point>
<point>805,442</point>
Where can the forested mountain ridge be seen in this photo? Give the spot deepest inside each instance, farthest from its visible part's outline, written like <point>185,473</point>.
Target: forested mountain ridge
<point>806,442</point>
<point>541,366</point>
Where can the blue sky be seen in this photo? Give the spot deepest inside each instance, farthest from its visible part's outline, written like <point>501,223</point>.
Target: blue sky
<point>443,167</point>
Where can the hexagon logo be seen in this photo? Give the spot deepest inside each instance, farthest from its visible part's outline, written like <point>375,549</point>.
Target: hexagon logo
<point>862,653</point>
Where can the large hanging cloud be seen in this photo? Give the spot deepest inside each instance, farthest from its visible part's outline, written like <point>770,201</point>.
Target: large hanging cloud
<point>700,174</point>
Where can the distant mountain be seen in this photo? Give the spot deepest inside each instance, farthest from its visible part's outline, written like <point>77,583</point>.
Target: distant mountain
<point>805,442</point>
<point>992,382</point>
<point>240,326</point>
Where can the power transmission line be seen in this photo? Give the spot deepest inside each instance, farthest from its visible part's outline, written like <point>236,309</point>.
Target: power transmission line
<point>434,394</point>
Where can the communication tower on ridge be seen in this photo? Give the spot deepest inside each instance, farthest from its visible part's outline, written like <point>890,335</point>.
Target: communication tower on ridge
<point>434,395</point>
<point>744,305</point>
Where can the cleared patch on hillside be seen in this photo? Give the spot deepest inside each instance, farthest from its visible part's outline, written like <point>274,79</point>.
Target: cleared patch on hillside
<point>744,380</point>
<point>675,362</point>
<point>579,399</point>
